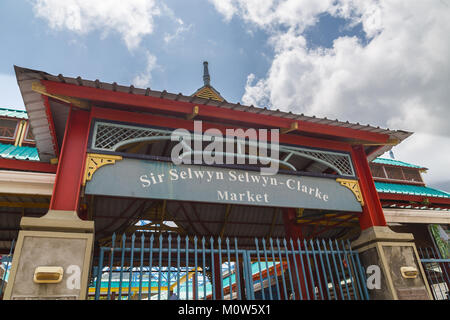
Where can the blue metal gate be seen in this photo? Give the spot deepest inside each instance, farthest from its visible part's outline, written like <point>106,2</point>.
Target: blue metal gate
<point>437,271</point>
<point>158,266</point>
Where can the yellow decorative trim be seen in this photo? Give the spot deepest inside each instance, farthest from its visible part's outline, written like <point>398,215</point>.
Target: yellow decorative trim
<point>18,141</point>
<point>208,93</point>
<point>95,161</point>
<point>39,88</point>
<point>353,185</point>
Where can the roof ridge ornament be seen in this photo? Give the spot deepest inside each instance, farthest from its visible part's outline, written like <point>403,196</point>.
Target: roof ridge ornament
<point>206,77</point>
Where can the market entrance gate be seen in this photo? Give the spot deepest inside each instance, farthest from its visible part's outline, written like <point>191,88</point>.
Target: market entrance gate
<point>153,266</point>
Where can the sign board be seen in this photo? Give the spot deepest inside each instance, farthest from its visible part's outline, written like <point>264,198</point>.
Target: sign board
<point>164,180</point>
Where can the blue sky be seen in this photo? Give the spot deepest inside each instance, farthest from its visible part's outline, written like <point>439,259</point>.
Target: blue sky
<point>383,63</point>
<point>233,49</point>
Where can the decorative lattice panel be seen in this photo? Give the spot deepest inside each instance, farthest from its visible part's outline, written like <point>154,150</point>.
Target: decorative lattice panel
<point>110,136</point>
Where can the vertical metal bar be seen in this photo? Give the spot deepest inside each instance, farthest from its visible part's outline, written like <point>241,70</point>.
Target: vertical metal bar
<point>130,283</point>
<point>111,264</point>
<point>296,271</point>
<point>435,279</point>
<point>121,265</point>
<point>204,268</point>
<point>7,265</point>
<point>310,270</point>
<point>236,268</point>
<point>98,286</point>
<point>220,267</point>
<point>260,271</point>
<point>429,277</point>
<point>160,266</point>
<point>282,270</point>
<point>342,268</point>
<point>195,280</point>
<point>353,274</point>
<point>336,268</point>
<point>248,268</point>
<point>267,268</point>
<point>354,270</point>
<point>275,268</point>
<point>186,268</point>
<point>178,265</point>
<point>300,251</point>
<point>245,274</point>
<point>169,266</point>
<point>230,284</point>
<point>141,267</point>
<point>213,278</point>
<point>362,274</point>
<point>329,270</point>
<point>289,269</point>
<point>317,269</point>
<point>348,267</point>
<point>324,272</point>
<point>150,266</point>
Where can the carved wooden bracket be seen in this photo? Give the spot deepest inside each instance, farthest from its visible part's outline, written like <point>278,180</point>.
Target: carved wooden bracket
<point>95,161</point>
<point>353,185</point>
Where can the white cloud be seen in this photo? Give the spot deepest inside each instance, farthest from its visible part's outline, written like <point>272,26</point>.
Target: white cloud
<point>169,37</point>
<point>132,19</point>
<point>143,79</point>
<point>399,80</point>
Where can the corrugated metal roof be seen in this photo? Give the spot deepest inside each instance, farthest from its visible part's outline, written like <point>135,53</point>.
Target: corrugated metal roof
<point>410,189</point>
<point>13,113</point>
<point>41,131</point>
<point>10,151</point>
<point>393,162</point>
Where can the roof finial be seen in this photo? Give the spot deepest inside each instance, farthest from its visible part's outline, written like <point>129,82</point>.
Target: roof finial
<point>206,77</point>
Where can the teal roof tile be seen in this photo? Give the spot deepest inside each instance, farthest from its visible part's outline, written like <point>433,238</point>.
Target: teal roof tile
<point>410,189</point>
<point>12,113</point>
<point>393,162</point>
<point>10,151</point>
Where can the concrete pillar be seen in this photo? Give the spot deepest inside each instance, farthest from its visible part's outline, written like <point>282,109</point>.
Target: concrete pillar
<point>52,258</point>
<point>392,265</point>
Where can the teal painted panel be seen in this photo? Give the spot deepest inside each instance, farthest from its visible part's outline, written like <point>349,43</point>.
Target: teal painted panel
<point>393,162</point>
<point>11,113</point>
<point>410,189</point>
<point>164,180</point>
<point>10,151</point>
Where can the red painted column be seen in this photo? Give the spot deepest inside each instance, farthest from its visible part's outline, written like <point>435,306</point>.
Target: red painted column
<point>294,232</point>
<point>69,175</point>
<point>372,214</point>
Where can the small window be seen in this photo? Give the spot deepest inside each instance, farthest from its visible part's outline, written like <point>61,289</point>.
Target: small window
<point>394,173</point>
<point>412,175</point>
<point>8,128</point>
<point>377,171</point>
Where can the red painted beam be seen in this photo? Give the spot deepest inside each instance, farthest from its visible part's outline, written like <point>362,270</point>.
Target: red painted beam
<point>175,123</point>
<point>66,191</point>
<point>372,214</point>
<point>26,165</point>
<point>414,198</point>
<point>221,114</point>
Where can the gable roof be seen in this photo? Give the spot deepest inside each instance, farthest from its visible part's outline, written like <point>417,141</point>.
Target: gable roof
<point>393,162</point>
<point>383,187</point>
<point>10,151</point>
<point>44,136</point>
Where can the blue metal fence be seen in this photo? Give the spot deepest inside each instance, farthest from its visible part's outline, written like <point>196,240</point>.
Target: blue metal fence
<point>437,271</point>
<point>5,265</point>
<point>162,266</point>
